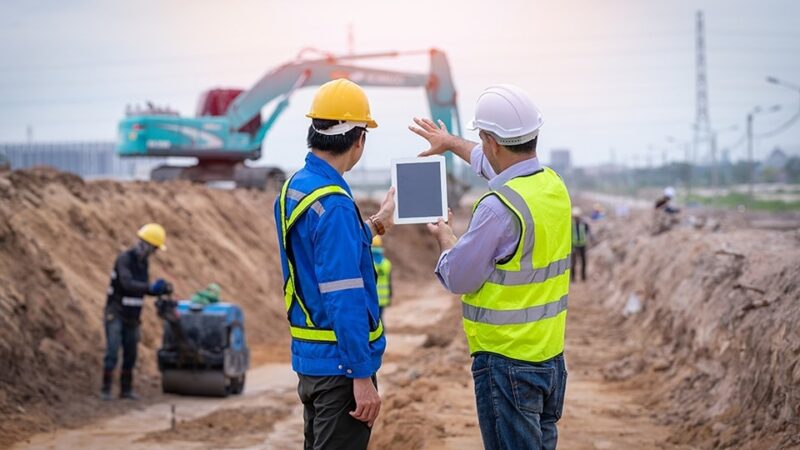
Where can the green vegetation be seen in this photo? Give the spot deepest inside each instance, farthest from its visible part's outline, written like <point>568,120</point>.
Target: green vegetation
<point>734,199</point>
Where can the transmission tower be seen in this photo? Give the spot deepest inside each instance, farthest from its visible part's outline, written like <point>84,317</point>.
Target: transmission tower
<point>704,139</point>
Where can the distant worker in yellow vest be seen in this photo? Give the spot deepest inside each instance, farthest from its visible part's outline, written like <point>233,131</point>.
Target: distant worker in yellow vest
<point>512,265</point>
<point>383,268</point>
<point>580,237</point>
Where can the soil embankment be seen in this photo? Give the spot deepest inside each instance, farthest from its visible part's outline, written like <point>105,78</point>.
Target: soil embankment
<point>59,236</point>
<point>688,339</point>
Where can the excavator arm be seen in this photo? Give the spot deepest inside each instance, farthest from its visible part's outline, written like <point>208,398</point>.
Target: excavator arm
<point>284,80</point>
<point>221,143</point>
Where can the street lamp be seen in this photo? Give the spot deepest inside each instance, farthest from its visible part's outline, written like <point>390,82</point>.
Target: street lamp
<point>751,169</point>
<point>792,86</point>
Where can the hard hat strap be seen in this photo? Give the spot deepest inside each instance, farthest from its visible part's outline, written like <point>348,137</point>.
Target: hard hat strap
<point>340,128</point>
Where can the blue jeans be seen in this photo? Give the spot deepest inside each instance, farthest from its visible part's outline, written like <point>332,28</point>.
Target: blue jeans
<point>119,334</point>
<point>518,403</point>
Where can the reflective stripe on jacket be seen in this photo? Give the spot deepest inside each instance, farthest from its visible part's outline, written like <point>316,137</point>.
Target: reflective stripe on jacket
<point>384,272</point>
<point>520,311</point>
<point>128,285</point>
<point>330,290</point>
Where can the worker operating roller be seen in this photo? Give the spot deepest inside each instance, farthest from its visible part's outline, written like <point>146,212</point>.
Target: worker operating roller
<point>512,267</point>
<point>127,288</point>
<point>330,287</point>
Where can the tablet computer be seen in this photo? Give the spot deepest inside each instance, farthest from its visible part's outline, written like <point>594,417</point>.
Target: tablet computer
<point>420,190</point>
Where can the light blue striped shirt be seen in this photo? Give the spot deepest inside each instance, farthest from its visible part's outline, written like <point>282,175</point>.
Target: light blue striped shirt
<point>492,235</point>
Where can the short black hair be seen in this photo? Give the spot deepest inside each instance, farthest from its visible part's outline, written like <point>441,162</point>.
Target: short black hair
<point>525,147</point>
<point>336,144</point>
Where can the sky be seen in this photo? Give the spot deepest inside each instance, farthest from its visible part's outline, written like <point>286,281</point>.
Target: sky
<point>613,78</point>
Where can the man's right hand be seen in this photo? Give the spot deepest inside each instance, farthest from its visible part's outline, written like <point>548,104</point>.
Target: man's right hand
<point>368,402</point>
<point>441,140</point>
<point>438,137</point>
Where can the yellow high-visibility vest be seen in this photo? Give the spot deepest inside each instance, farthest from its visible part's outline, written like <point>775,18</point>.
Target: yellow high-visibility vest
<point>384,272</point>
<point>520,312</point>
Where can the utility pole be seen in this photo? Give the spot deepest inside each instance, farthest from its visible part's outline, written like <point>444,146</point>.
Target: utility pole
<point>702,125</point>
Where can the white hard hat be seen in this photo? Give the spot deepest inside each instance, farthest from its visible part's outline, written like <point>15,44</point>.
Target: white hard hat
<point>508,113</point>
<point>576,211</point>
<point>669,191</point>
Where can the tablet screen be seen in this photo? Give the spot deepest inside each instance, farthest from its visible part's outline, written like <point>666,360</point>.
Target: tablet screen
<point>419,190</point>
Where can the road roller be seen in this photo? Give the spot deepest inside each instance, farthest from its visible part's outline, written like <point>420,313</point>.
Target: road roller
<point>203,350</point>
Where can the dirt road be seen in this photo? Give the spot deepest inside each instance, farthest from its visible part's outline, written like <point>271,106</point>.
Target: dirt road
<point>599,414</point>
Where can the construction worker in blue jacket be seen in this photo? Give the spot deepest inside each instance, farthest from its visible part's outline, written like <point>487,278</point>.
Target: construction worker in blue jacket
<point>330,288</point>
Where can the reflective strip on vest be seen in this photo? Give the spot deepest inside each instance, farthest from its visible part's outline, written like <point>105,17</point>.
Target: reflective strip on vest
<point>531,275</point>
<point>133,301</point>
<point>305,202</point>
<point>520,311</point>
<point>527,315</point>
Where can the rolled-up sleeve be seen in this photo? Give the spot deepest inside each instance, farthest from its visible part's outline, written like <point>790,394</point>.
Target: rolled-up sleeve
<point>491,237</point>
<point>337,256</point>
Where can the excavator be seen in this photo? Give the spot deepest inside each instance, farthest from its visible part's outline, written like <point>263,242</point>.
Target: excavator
<point>229,129</point>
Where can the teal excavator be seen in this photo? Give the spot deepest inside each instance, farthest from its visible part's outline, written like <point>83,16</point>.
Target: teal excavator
<point>229,129</point>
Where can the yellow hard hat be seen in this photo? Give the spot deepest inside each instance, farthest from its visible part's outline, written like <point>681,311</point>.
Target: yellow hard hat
<point>341,100</point>
<point>377,241</point>
<point>153,234</point>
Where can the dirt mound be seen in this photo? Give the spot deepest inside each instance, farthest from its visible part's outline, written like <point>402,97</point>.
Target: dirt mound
<point>713,317</point>
<point>59,236</point>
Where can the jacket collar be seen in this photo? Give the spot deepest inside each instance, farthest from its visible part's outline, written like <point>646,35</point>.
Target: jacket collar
<point>321,167</point>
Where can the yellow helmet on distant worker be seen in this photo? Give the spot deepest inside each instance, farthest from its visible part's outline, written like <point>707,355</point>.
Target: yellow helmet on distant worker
<point>153,234</point>
<point>341,99</point>
<point>377,241</point>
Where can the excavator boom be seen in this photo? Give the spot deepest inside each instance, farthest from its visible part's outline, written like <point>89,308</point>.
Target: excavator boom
<point>221,143</point>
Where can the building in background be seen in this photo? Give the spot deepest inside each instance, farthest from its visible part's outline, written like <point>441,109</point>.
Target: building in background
<point>87,159</point>
<point>560,160</point>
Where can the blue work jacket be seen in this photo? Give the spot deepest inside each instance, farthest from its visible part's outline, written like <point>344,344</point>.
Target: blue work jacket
<point>335,278</point>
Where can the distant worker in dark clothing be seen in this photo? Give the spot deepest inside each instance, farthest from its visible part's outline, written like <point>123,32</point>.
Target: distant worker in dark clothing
<point>580,235</point>
<point>665,215</point>
<point>665,202</point>
<point>129,284</point>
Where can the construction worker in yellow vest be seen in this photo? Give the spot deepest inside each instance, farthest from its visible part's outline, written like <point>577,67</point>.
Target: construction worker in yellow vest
<point>512,267</point>
<point>383,270</point>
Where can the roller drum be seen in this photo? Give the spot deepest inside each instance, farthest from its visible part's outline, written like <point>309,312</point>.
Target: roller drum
<point>195,382</point>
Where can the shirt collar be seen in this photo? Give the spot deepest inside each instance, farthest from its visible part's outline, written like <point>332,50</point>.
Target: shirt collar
<point>526,167</point>
<point>321,167</point>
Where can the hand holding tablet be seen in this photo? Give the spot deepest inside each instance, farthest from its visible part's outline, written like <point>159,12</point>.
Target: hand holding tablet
<point>420,190</point>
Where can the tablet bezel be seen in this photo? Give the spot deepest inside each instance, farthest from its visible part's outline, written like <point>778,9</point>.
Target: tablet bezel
<point>443,178</point>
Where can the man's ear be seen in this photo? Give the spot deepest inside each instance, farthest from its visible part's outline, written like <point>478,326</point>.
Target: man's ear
<point>493,145</point>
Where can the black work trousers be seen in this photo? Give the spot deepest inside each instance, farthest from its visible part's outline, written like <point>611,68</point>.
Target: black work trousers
<point>327,403</point>
<point>120,334</point>
<point>578,253</point>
